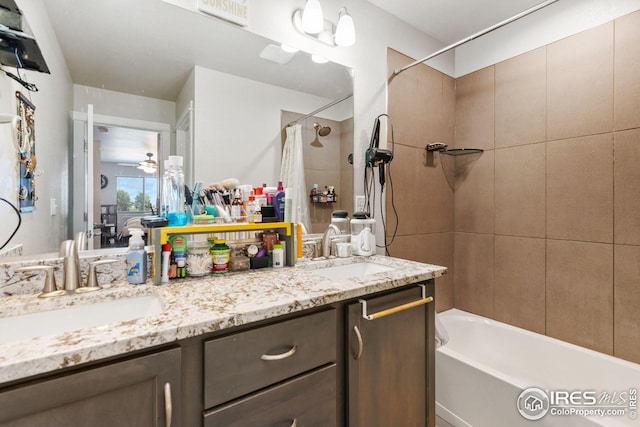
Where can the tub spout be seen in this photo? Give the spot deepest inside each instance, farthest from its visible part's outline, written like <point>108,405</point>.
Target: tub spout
<point>442,336</point>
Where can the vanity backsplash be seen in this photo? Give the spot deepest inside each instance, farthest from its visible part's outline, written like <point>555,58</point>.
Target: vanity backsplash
<point>17,283</point>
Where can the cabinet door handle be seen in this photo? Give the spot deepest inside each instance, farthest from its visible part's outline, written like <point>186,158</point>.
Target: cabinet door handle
<point>360,343</point>
<point>424,300</point>
<point>168,407</point>
<point>294,423</point>
<point>280,356</point>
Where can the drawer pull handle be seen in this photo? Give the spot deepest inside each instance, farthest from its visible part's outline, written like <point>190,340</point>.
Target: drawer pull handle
<point>280,356</point>
<point>360,343</point>
<point>424,300</point>
<point>294,423</point>
<point>168,407</point>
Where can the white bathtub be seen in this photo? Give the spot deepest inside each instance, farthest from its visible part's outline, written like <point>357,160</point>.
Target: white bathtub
<point>486,365</point>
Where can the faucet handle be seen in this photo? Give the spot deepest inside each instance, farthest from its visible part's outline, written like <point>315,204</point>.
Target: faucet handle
<point>92,276</point>
<point>50,289</point>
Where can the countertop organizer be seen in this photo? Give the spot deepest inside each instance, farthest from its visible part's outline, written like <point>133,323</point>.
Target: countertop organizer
<point>160,235</point>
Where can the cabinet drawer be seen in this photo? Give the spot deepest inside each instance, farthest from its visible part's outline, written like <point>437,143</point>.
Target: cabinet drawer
<point>239,364</point>
<point>309,400</point>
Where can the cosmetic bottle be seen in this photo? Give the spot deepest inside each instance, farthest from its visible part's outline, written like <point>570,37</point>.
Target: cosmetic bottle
<point>136,258</point>
<point>278,202</point>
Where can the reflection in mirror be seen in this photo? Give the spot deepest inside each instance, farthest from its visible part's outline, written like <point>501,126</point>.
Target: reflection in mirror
<point>326,145</point>
<point>128,171</point>
<point>150,61</point>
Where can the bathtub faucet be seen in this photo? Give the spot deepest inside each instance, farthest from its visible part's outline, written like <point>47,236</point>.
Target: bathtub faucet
<point>442,336</point>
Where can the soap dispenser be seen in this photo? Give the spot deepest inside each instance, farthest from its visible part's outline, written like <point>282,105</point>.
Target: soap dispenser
<point>136,258</point>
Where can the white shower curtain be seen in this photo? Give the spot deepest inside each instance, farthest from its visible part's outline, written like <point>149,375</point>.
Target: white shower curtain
<point>292,175</point>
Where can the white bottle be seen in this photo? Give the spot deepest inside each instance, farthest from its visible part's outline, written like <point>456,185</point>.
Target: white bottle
<point>278,255</point>
<point>288,204</point>
<point>136,258</point>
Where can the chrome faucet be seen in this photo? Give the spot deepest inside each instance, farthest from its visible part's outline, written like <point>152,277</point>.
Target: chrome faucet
<point>332,230</point>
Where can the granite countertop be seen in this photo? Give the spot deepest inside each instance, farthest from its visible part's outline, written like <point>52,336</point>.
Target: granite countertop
<point>192,307</point>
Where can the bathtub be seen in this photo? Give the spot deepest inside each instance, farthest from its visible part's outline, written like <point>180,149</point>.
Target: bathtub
<point>486,366</point>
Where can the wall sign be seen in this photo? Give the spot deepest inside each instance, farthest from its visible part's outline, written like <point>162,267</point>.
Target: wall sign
<point>236,11</point>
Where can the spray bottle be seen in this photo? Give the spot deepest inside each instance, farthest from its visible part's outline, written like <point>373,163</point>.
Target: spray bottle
<point>136,258</point>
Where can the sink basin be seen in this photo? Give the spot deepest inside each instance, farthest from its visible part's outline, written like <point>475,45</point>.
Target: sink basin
<point>32,325</point>
<point>357,269</point>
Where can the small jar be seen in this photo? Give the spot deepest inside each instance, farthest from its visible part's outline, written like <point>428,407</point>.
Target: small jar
<point>269,238</point>
<point>220,256</point>
<point>199,261</point>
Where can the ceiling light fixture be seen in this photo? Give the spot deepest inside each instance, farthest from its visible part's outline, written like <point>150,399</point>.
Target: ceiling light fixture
<point>148,165</point>
<point>319,59</point>
<point>345,31</point>
<point>312,18</point>
<point>344,34</point>
<point>288,49</point>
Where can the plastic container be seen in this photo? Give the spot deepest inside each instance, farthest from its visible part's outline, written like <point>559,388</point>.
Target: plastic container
<point>136,258</point>
<point>278,256</point>
<point>239,263</point>
<point>269,238</point>
<point>363,236</point>
<point>279,201</point>
<point>341,220</point>
<point>259,262</point>
<point>176,215</point>
<point>288,204</point>
<point>299,251</point>
<point>166,257</point>
<point>199,262</point>
<point>165,185</point>
<point>179,255</point>
<point>220,256</point>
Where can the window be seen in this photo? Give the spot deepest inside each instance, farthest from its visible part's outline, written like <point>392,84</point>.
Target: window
<point>136,194</point>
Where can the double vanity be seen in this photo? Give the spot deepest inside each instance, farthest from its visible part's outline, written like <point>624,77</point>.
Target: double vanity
<point>345,341</point>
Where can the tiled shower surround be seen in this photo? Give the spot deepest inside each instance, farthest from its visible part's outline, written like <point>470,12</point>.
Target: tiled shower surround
<point>544,231</point>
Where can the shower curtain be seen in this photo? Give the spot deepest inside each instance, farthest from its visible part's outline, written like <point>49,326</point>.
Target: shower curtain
<point>292,175</point>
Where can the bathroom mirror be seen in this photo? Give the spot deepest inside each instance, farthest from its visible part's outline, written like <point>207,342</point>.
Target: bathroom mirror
<point>150,47</point>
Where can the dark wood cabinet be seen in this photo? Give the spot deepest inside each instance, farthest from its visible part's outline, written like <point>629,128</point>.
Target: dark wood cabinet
<point>307,400</point>
<point>135,393</point>
<point>241,363</point>
<point>280,374</point>
<point>326,367</point>
<point>390,371</point>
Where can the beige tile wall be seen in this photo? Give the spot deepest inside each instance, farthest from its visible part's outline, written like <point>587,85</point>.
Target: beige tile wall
<point>546,224</point>
<point>421,105</point>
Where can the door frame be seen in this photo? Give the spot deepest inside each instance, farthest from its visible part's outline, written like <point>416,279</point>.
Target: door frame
<point>79,196</point>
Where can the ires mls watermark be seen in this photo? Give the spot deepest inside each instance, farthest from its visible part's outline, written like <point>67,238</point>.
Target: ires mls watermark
<point>534,403</point>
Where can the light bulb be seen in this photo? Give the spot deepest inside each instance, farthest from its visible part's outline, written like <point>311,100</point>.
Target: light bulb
<point>312,19</point>
<point>319,59</point>
<point>288,49</point>
<point>345,31</point>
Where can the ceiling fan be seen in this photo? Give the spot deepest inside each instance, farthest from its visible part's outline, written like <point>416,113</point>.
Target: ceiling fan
<point>148,165</point>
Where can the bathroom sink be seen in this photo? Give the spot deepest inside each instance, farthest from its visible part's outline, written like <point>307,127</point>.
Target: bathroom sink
<point>32,325</point>
<point>356,269</point>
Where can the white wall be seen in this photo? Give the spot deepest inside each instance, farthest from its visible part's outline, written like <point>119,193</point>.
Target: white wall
<point>237,126</point>
<point>118,104</point>
<point>52,101</point>
<point>557,21</point>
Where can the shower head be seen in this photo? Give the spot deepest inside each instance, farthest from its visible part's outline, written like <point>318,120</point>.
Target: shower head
<point>321,130</point>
